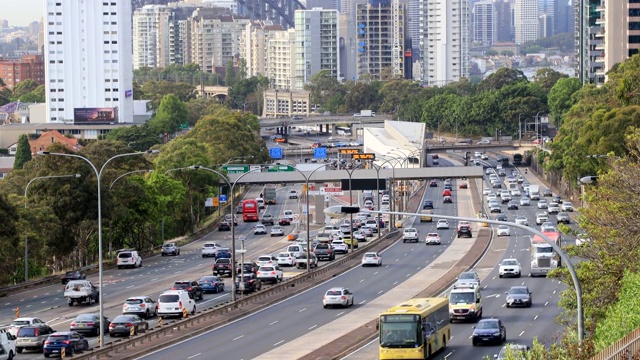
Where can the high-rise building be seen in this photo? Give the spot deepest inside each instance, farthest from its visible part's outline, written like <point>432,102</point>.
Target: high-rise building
<point>413,21</point>
<point>325,4</point>
<point>381,37</point>
<point>589,39</point>
<point>281,69</point>
<point>504,22</point>
<point>484,24</point>
<point>253,45</point>
<point>545,25</point>
<point>445,51</point>
<point>348,46</point>
<point>146,25</point>
<point>562,17</point>
<point>620,20</point>
<point>89,62</point>
<point>317,44</point>
<point>526,20</point>
<point>14,71</point>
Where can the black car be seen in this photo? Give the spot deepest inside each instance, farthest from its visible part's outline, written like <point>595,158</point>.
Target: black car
<point>556,199</point>
<point>427,204</point>
<point>248,267</point>
<point>490,331</point>
<point>501,217</point>
<point>122,324</point>
<point>224,226</point>
<point>447,200</point>
<point>512,205</point>
<point>518,296</point>
<point>464,231</point>
<point>170,249</point>
<point>251,283</point>
<point>433,183</point>
<point>88,324</point>
<point>191,286</point>
<point>547,192</point>
<point>435,156</point>
<point>238,209</point>
<point>222,267</point>
<point>73,275</point>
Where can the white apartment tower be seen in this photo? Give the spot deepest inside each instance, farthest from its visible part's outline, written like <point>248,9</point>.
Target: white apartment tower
<point>484,24</point>
<point>253,45</point>
<point>146,28</point>
<point>445,48</point>
<point>526,20</point>
<point>89,62</point>
<point>281,69</point>
<point>317,44</point>
<point>620,32</point>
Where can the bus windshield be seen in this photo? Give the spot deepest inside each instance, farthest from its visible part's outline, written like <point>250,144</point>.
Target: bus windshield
<point>462,298</point>
<point>400,335</point>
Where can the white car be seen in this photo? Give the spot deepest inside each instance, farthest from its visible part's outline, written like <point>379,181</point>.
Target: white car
<point>410,234</point>
<point>503,230</point>
<point>259,229</point>
<point>276,230</point>
<point>293,194</point>
<point>522,220</point>
<point>492,197</point>
<point>286,258</point>
<point>385,198</point>
<point>210,248</point>
<point>582,239</point>
<point>553,208</point>
<point>547,226</point>
<point>338,296</point>
<point>359,235</point>
<point>543,204</point>
<point>270,273</point>
<point>567,206</point>
<point>371,258</point>
<point>525,201</point>
<point>339,246</point>
<point>484,157</point>
<point>486,191</point>
<point>541,217</point>
<point>467,279</point>
<point>366,231</point>
<point>432,238</point>
<point>266,260</point>
<point>345,228</point>
<point>23,321</point>
<point>515,192</point>
<point>442,224</point>
<point>142,306</point>
<point>509,267</point>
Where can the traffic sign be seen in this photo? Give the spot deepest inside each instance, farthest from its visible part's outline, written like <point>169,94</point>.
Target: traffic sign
<point>184,126</point>
<point>280,168</point>
<point>235,169</point>
<point>368,156</point>
<point>320,153</point>
<point>222,198</point>
<point>275,153</point>
<point>349,151</point>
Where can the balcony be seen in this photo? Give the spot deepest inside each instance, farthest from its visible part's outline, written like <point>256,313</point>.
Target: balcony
<point>600,8</point>
<point>600,21</point>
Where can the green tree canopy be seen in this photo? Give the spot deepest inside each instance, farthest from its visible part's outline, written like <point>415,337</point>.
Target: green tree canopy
<point>23,152</point>
<point>326,91</point>
<point>170,114</point>
<point>561,99</point>
<point>548,77</point>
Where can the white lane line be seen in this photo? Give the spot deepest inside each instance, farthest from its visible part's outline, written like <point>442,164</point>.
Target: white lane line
<point>521,333</point>
<point>380,292</point>
<point>408,275</point>
<point>362,302</point>
<point>340,313</point>
<point>275,322</point>
<point>154,279</point>
<point>196,355</point>
<point>28,306</point>
<point>278,343</point>
<point>362,280</point>
<point>535,317</point>
<point>375,273</point>
<point>238,338</point>
<point>395,283</point>
<point>130,286</point>
<point>313,327</point>
<point>547,303</point>
<point>302,310</point>
<point>387,266</point>
<point>396,261</point>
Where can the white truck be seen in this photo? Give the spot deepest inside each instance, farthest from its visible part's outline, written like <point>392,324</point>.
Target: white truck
<point>365,113</point>
<point>543,257</point>
<point>534,192</point>
<point>81,291</point>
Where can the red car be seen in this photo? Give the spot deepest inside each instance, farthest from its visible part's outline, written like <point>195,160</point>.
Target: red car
<point>463,185</point>
<point>446,192</point>
<point>284,221</point>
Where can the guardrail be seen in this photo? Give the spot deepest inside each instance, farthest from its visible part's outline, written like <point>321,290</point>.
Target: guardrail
<point>228,311</point>
<point>627,348</point>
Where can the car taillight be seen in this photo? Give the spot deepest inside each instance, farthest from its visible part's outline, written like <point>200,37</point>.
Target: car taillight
<point>273,272</point>
<point>67,342</point>
<point>343,297</point>
<point>133,260</point>
<point>90,324</point>
<point>36,332</point>
<point>128,325</point>
<point>180,304</point>
<point>47,342</point>
<point>72,324</point>
<point>189,288</point>
<point>112,325</point>
<point>142,305</point>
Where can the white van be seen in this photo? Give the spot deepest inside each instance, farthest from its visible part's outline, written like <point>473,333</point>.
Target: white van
<point>172,303</point>
<point>288,214</point>
<point>296,250</point>
<point>331,229</point>
<point>128,257</point>
<point>260,202</point>
<point>7,345</point>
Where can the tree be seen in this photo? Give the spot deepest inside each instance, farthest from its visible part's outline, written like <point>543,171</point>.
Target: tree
<point>137,137</point>
<point>23,88</point>
<point>157,90</point>
<point>242,69</point>
<point>9,252</point>
<point>23,152</point>
<point>230,74</point>
<point>508,53</point>
<point>396,94</point>
<point>491,52</point>
<point>547,78</point>
<point>326,90</point>
<point>363,96</point>
<point>500,78</point>
<point>37,95</point>
<point>200,107</point>
<point>561,99</point>
<point>170,114</point>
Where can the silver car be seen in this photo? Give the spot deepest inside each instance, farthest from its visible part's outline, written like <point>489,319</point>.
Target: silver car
<point>563,217</point>
<point>525,201</point>
<point>338,296</point>
<point>518,296</point>
<point>522,220</point>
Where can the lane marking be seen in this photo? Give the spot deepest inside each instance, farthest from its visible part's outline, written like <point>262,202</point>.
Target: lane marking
<point>340,313</point>
<point>521,333</point>
<point>275,322</point>
<point>238,338</point>
<point>313,327</point>
<point>278,343</point>
<point>192,356</point>
<point>302,310</point>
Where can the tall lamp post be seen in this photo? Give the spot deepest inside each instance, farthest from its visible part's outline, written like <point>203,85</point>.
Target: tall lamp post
<point>350,172</point>
<point>26,233</point>
<point>378,168</point>
<point>99,176</point>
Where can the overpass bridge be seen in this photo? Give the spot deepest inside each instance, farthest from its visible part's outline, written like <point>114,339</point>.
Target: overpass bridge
<point>325,123</point>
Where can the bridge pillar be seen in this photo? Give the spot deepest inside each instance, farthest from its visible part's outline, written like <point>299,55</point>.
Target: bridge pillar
<point>320,128</point>
<point>277,130</point>
<point>284,130</point>
<point>329,128</point>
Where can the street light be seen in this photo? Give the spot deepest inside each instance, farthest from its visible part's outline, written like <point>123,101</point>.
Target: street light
<point>341,210</point>
<point>537,119</point>
<point>350,172</point>
<point>99,176</point>
<point>378,168</point>
<point>236,158</point>
<point>26,233</point>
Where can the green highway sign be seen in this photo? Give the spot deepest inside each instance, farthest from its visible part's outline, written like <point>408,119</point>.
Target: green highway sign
<point>235,169</point>
<point>184,126</point>
<point>280,168</point>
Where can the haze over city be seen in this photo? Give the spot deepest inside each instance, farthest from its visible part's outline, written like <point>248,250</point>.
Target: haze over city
<point>22,12</point>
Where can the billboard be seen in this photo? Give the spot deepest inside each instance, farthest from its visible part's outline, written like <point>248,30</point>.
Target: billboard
<point>84,116</point>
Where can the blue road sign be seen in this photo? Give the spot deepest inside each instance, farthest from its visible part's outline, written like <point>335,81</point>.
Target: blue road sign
<point>275,153</point>
<point>223,198</point>
<point>320,153</point>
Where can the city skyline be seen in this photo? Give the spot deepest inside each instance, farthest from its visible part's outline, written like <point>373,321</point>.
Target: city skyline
<point>21,13</point>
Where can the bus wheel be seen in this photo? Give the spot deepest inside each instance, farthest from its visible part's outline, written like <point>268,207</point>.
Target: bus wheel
<point>444,342</point>
<point>429,351</point>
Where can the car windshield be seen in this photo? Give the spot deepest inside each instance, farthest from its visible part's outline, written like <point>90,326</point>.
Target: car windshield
<point>503,227</point>
<point>370,255</point>
<point>134,301</point>
<point>334,292</point>
<point>467,276</point>
<point>21,322</point>
<point>509,262</point>
<point>264,258</point>
<point>487,325</point>
<point>462,298</point>
<point>266,268</point>
<point>169,245</point>
<point>169,298</point>
<point>208,279</point>
<point>70,273</point>
<point>27,332</point>
<point>432,234</point>
<point>124,255</point>
<point>209,245</point>
<point>518,290</point>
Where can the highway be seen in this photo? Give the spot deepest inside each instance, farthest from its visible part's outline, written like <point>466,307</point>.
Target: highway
<point>263,331</point>
<point>522,324</point>
<point>156,275</point>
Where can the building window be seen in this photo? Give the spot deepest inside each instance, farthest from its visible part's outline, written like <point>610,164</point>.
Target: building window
<point>115,99</point>
<point>107,99</point>
<point>114,42</point>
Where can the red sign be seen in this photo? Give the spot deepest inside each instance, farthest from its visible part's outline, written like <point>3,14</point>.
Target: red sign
<point>332,189</point>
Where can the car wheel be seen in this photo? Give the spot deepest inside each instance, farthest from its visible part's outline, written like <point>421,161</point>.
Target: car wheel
<point>519,274</point>
<point>194,310</point>
<point>500,276</point>
<point>507,305</point>
<point>45,355</point>
<point>146,314</point>
<point>19,350</point>
<point>474,343</point>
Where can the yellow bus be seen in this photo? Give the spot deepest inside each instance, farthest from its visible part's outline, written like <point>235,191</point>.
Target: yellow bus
<point>415,329</point>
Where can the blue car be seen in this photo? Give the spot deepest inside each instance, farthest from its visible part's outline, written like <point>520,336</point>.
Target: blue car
<point>211,283</point>
<point>427,204</point>
<point>71,341</point>
<point>489,331</point>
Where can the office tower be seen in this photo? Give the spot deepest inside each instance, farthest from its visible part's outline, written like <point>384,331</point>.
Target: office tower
<point>562,17</point>
<point>325,4</point>
<point>348,47</point>
<point>145,35</point>
<point>545,25</point>
<point>504,22</point>
<point>526,20</point>
<point>413,21</point>
<point>589,39</point>
<point>620,21</point>
<point>484,24</point>
<point>253,45</point>
<point>281,62</point>
<point>445,51</point>
<point>381,37</point>
<point>89,62</point>
<point>317,44</point>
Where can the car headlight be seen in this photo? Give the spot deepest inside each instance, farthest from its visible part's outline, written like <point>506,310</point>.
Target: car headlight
<point>509,298</point>
<point>496,333</point>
